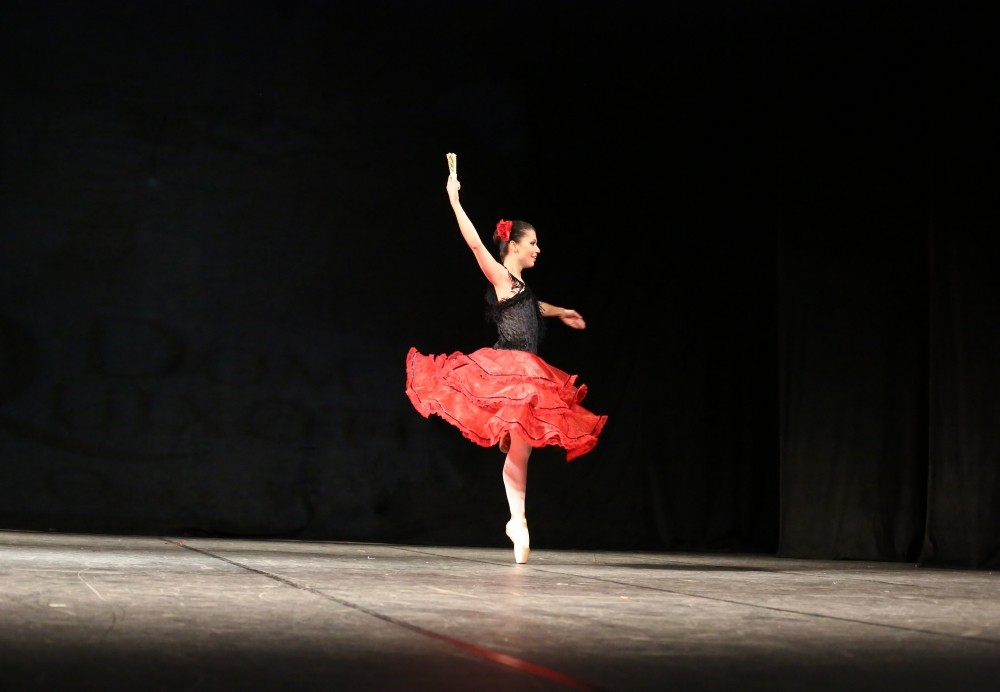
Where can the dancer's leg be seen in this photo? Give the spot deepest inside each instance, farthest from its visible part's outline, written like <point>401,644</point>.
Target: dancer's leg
<point>515,483</point>
<point>515,475</point>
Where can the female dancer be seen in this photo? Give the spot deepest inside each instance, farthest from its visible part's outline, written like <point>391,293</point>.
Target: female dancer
<point>507,395</point>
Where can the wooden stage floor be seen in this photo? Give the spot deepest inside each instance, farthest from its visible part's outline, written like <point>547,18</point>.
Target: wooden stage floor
<point>98,612</point>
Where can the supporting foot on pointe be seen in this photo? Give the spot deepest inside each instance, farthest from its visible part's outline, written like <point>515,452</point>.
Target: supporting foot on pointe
<point>517,531</point>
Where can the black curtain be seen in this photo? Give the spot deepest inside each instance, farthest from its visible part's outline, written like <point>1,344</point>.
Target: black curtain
<point>963,479</point>
<point>888,299</point>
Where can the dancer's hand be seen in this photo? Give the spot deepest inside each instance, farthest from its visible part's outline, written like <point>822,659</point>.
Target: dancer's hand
<point>453,187</point>
<point>571,318</point>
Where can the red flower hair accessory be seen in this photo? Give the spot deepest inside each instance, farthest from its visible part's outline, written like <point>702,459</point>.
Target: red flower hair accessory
<point>503,230</point>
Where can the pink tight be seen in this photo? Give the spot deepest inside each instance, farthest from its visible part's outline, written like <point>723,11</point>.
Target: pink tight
<point>515,474</point>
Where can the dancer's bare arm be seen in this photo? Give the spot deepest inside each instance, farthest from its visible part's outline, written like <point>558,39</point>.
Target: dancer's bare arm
<point>495,272</point>
<point>569,316</point>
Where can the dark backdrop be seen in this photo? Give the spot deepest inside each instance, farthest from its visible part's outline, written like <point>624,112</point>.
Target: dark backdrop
<point>224,224</point>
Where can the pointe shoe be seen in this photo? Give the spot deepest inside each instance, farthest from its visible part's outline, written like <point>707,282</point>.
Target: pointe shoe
<point>505,443</point>
<point>517,531</point>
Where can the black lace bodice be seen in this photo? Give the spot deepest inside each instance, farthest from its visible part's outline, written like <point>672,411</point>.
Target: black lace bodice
<point>519,321</point>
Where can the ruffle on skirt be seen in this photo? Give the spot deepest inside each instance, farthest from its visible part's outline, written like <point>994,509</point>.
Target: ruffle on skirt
<point>491,391</point>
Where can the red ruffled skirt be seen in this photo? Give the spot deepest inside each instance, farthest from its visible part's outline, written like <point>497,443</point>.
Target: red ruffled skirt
<point>492,391</point>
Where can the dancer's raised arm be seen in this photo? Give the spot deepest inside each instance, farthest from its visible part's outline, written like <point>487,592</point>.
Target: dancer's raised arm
<point>495,272</point>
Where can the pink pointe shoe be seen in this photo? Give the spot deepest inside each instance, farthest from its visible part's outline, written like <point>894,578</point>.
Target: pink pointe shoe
<point>517,531</point>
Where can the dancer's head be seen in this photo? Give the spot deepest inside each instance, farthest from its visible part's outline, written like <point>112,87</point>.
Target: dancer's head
<point>517,238</point>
